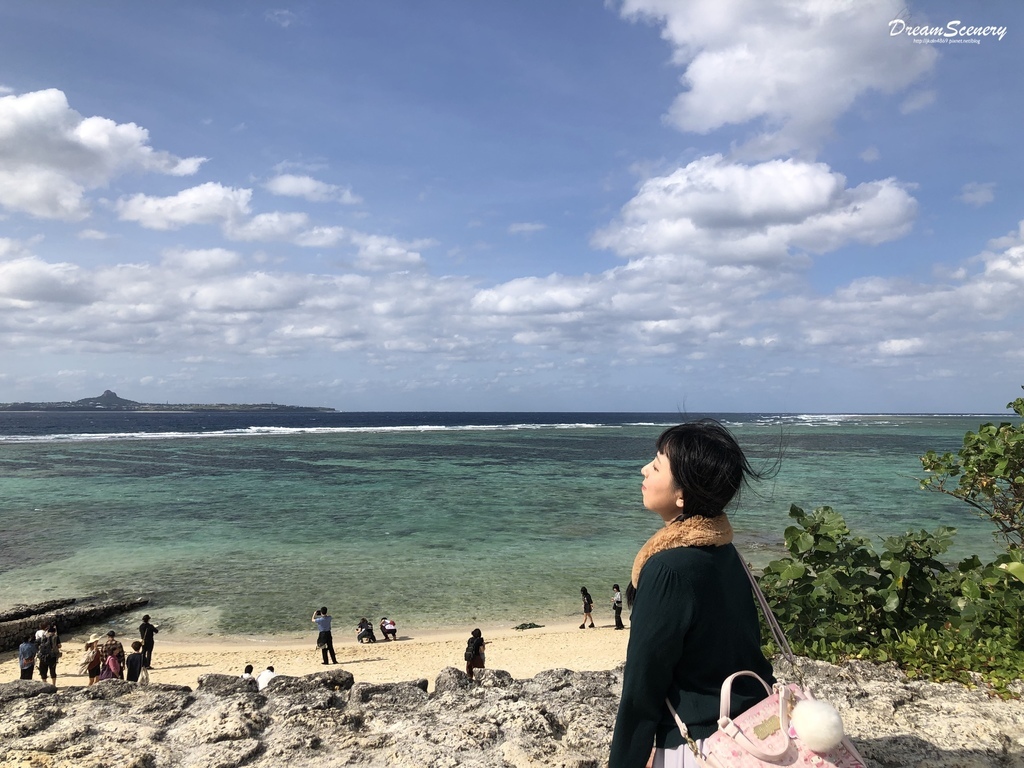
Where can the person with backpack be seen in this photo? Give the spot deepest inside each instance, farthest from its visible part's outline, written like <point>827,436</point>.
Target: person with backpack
<point>27,657</point>
<point>48,654</point>
<point>474,652</point>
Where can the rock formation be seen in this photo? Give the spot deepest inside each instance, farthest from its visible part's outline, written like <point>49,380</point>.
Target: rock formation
<point>557,719</point>
<point>22,620</point>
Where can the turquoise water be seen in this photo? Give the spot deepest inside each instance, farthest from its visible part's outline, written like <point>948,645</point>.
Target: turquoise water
<point>248,531</point>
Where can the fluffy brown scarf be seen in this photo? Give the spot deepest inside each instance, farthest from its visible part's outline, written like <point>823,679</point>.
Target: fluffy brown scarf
<point>693,531</point>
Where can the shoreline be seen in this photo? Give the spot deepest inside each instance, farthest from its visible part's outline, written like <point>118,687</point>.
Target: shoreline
<point>180,660</point>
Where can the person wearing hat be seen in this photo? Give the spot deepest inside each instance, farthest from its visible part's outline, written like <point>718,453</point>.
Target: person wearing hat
<point>92,659</point>
<point>146,631</point>
<point>113,648</point>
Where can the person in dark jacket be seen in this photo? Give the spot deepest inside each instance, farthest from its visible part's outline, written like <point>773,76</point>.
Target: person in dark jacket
<point>146,632</point>
<point>134,662</point>
<point>694,620</point>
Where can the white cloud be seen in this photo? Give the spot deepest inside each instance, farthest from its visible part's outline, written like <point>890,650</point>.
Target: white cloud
<point>310,189</point>
<point>282,17</point>
<point>977,194</point>
<point>93,234</point>
<point>794,67</point>
<point>266,226</point>
<point>206,261</point>
<point>50,156</point>
<point>209,203</point>
<point>917,101</point>
<point>382,252</point>
<point>526,228</point>
<point>730,212</point>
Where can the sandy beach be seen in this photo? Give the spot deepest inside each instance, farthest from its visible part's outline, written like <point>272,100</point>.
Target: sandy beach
<point>415,655</point>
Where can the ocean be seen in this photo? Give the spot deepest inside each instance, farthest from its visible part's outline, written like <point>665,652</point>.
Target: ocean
<point>238,523</point>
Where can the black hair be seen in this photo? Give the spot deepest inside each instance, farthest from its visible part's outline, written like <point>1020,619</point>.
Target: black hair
<point>323,611</point>
<point>709,467</point>
<point>583,591</point>
<point>707,464</point>
<point>476,633</point>
<point>248,669</point>
<point>615,587</point>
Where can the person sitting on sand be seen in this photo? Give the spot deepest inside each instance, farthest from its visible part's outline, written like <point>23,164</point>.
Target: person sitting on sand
<point>364,631</point>
<point>265,677</point>
<point>474,652</point>
<point>388,628</point>
<point>247,672</point>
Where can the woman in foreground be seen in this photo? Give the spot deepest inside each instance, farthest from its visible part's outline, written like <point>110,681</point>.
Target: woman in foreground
<point>694,620</point>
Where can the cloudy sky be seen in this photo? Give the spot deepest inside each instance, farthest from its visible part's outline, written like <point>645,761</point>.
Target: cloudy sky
<point>632,205</point>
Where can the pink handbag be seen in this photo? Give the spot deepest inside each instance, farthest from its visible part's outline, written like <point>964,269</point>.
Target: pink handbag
<point>762,737</point>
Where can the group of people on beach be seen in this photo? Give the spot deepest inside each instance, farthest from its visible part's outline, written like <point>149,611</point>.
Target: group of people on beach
<point>103,658</point>
<point>364,632</point>
<point>588,607</point>
<point>694,623</point>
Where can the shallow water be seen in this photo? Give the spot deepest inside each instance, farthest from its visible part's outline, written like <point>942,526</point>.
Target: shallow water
<point>244,523</point>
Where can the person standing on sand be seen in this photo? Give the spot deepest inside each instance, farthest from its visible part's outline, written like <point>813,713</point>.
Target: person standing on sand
<point>48,654</point>
<point>133,663</point>
<point>617,606</point>
<point>474,652</point>
<point>325,640</point>
<point>588,607</point>
<point>27,657</point>
<point>146,632</point>
<point>113,647</point>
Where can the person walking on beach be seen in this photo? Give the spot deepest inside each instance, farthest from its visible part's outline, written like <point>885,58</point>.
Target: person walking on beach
<point>27,657</point>
<point>48,653</point>
<point>325,640</point>
<point>146,632</point>
<point>588,607</point>
<point>474,652</point>
<point>617,606</point>
<point>694,620</point>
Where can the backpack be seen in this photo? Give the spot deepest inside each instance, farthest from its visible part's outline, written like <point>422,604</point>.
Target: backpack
<point>48,648</point>
<point>471,648</point>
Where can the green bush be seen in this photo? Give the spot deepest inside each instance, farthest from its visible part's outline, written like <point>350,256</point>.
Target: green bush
<point>836,598</point>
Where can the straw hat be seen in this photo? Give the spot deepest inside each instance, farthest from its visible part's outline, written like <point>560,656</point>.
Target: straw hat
<point>92,638</point>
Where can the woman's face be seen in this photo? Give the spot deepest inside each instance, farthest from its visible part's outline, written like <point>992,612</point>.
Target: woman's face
<point>661,494</point>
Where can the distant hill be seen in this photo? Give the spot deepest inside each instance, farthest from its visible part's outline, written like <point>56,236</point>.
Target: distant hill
<point>109,401</point>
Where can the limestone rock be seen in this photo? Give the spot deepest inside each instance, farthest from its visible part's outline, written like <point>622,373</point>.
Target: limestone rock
<point>557,719</point>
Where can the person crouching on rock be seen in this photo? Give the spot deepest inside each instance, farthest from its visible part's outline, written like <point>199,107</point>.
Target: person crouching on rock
<point>474,652</point>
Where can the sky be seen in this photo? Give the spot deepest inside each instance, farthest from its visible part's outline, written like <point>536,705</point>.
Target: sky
<point>633,205</point>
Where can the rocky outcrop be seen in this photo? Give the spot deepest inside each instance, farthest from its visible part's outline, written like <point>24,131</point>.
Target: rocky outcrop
<point>22,620</point>
<point>557,719</point>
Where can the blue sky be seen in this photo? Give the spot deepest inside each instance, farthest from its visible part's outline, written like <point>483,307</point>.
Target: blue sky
<point>637,205</point>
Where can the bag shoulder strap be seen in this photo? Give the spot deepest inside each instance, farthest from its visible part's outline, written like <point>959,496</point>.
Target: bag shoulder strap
<point>769,617</point>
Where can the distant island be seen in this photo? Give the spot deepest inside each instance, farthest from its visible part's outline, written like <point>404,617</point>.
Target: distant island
<point>109,401</point>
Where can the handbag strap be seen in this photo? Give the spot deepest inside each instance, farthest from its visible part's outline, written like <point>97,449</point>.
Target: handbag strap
<point>769,617</point>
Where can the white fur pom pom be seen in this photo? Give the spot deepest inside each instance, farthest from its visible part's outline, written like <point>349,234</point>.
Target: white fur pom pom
<point>818,724</point>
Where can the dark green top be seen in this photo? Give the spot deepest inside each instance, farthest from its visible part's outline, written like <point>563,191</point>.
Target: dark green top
<point>694,623</point>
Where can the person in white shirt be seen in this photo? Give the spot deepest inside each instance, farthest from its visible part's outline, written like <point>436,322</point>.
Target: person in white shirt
<point>265,677</point>
<point>617,606</point>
